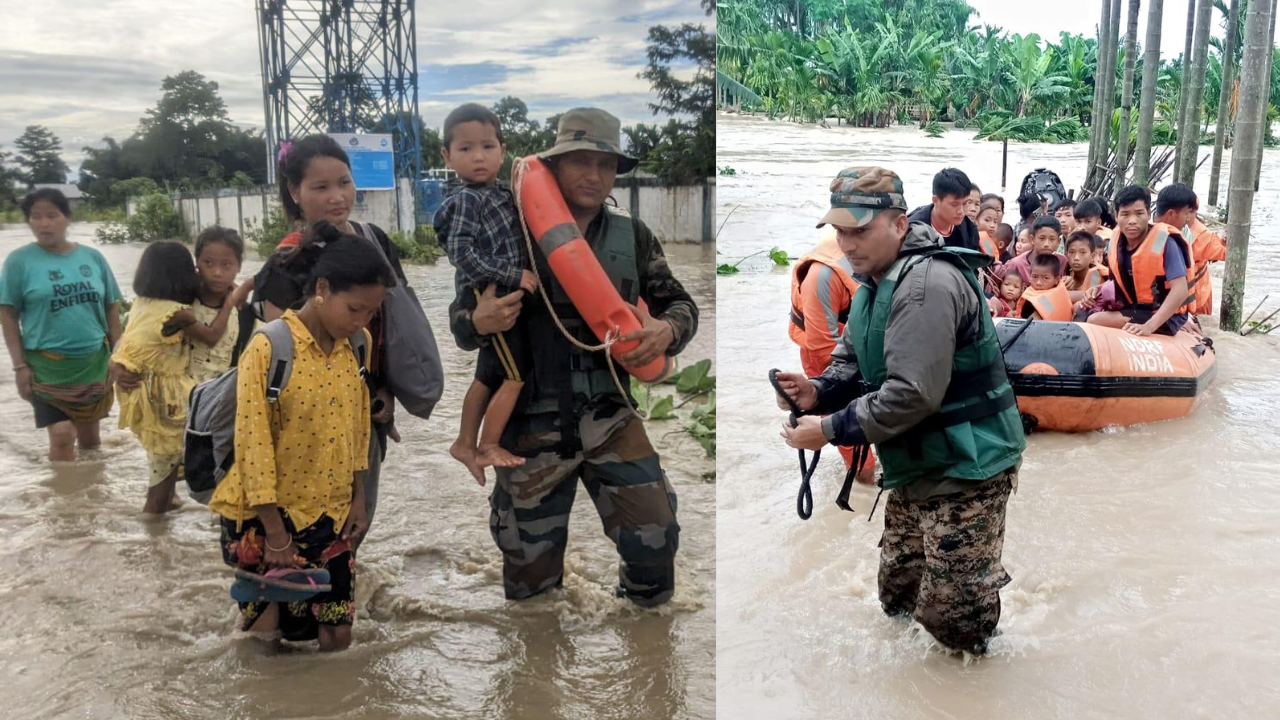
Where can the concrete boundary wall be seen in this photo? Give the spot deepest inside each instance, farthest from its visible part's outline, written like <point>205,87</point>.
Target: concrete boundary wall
<point>681,213</point>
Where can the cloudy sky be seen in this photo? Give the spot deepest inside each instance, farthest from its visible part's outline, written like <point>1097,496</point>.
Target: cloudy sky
<point>89,68</point>
<point>1082,16</point>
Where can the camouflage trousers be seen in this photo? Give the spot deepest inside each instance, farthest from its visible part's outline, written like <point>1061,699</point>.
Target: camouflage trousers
<point>619,467</point>
<point>940,562</point>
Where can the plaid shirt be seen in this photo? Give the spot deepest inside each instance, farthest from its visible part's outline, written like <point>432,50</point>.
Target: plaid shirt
<point>479,228</point>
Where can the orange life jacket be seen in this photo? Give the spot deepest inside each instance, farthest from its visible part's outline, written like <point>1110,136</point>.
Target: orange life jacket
<point>826,253</point>
<point>1148,267</point>
<point>1096,275</point>
<point>988,245</point>
<point>1054,304</point>
<point>1207,246</point>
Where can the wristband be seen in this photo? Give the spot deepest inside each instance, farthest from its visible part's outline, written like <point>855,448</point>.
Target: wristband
<point>23,366</point>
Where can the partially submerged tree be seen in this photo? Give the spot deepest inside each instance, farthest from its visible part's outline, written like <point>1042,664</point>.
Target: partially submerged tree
<point>1147,101</point>
<point>1222,127</point>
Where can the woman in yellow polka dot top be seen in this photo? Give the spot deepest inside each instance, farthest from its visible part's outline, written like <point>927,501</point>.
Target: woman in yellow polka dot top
<point>293,497</point>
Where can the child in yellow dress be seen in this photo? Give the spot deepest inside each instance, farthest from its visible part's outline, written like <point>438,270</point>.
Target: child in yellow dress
<point>154,346</point>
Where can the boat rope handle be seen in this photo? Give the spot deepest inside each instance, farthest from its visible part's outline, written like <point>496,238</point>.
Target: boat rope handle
<point>610,337</point>
<point>804,500</point>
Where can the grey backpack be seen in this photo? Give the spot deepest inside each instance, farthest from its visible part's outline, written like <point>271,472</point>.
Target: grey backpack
<point>413,371</point>
<point>209,442</point>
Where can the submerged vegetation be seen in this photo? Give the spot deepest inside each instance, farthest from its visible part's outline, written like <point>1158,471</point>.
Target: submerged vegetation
<point>872,63</point>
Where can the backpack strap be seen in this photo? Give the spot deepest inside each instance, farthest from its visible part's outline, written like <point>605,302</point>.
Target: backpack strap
<point>361,349</point>
<point>277,331</point>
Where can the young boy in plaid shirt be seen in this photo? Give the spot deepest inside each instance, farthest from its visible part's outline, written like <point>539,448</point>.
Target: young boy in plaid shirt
<point>479,227</point>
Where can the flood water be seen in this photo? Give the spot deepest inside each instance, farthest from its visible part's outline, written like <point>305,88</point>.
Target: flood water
<point>1145,561</point>
<point>113,615</point>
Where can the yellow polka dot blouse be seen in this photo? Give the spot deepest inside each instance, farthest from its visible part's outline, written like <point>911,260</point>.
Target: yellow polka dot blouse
<point>300,454</point>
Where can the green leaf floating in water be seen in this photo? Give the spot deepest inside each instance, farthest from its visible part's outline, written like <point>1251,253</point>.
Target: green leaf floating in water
<point>779,257</point>
<point>726,269</point>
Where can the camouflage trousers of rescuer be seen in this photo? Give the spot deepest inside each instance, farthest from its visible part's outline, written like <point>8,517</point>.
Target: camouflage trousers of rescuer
<point>619,467</point>
<point>940,562</point>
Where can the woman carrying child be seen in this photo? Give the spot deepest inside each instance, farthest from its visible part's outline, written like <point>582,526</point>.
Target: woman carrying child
<point>295,497</point>
<point>154,347</point>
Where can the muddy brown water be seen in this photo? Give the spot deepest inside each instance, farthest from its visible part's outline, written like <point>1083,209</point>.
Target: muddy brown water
<point>112,615</point>
<point>1145,561</point>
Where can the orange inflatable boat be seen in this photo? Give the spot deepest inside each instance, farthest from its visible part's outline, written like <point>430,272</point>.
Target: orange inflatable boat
<point>576,268</point>
<point>1073,377</point>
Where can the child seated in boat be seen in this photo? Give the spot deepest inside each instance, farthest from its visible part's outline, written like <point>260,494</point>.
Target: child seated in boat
<point>1149,264</point>
<point>1064,211</point>
<point>1082,271</point>
<point>1011,288</point>
<point>1045,239</point>
<point>988,220</point>
<point>1088,216</point>
<point>1004,241</point>
<point>479,228</point>
<point>1023,244</point>
<point>1046,299</point>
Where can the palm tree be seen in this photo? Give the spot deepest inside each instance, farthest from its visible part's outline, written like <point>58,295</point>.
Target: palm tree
<point>1029,76</point>
<point>1078,59</point>
<point>1100,115</point>
<point>1126,98</point>
<point>1147,103</point>
<point>1186,81</point>
<point>1189,136</point>
<point>1224,101</point>
<point>1245,158</point>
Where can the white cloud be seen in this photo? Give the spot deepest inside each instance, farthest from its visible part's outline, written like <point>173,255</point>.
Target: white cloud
<point>89,68</point>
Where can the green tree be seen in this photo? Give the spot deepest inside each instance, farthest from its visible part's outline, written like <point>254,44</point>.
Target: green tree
<point>688,148</point>
<point>642,139</point>
<point>187,141</point>
<point>10,178</point>
<point>40,156</point>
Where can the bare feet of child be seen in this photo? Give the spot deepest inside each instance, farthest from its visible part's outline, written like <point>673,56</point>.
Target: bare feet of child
<point>465,454</point>
<point>494,455</point>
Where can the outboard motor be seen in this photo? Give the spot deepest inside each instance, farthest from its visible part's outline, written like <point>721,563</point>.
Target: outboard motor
<point>1046,184</point>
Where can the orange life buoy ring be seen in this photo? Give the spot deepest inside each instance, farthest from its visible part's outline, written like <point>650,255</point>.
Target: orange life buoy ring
<point>576,269</point>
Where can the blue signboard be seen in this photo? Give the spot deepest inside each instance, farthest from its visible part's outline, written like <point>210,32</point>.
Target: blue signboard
<point>372,160</point>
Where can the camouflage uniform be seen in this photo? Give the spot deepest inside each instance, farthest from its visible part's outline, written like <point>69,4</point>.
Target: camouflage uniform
<point>940,561</point>
<point>606,445</point>
<point>531,504</point>
<point>941,415</point>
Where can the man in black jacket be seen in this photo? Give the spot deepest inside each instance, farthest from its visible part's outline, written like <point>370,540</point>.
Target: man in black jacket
<point>946,214</point>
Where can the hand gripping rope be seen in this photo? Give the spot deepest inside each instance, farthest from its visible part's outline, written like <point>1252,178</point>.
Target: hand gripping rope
<point>804,500</point>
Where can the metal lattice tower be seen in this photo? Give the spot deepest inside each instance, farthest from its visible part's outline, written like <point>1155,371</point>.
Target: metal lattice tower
<point>340,66</point>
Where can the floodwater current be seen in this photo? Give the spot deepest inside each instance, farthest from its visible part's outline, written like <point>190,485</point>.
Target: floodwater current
<point>113,615</point>
<point>1145,561</point>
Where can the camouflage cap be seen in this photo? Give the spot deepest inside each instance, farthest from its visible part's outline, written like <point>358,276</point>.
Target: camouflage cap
<point>858,194</point>
<point>591,129</point>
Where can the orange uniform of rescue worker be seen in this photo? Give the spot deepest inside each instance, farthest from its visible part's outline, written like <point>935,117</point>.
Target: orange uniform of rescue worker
<point>822,289</point>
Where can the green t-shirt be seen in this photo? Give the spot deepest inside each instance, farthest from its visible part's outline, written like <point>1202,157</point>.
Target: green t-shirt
<point>61,299</point>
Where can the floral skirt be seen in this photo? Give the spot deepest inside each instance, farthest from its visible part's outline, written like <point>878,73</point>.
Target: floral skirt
<point>318,546</point>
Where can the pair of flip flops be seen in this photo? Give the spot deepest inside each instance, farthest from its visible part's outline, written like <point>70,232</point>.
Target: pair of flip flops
<point>280,585</point>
